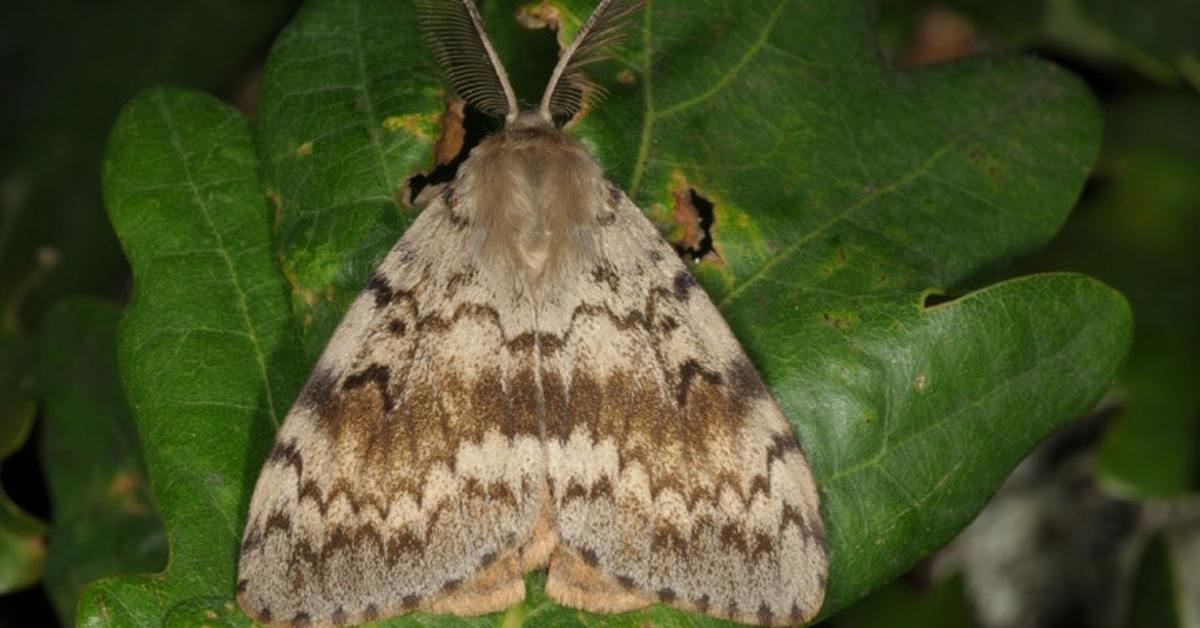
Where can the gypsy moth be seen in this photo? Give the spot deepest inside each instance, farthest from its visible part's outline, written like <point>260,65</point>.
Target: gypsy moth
<point>531,378</point>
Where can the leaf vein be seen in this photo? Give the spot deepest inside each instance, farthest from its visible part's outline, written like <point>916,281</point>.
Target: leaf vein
<point>243,307</point>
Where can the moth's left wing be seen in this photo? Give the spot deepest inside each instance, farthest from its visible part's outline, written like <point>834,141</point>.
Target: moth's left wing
<point>409,474</point>
<point>674,474</point>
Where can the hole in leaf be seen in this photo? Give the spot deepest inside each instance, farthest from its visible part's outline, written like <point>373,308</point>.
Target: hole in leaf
<point>23,480</point>
<point>463,127</point>
<point>694,213</point>
<point>936,298</point>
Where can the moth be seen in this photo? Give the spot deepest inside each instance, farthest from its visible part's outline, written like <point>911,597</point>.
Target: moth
<point>532,379</point>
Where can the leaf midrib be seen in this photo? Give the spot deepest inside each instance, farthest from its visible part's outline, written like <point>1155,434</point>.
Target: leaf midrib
<point>243,307</point>
<point>650,115</point>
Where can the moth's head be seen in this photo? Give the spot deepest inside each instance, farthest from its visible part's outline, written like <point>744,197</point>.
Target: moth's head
<point>527,120</point>
<point>455,33</point>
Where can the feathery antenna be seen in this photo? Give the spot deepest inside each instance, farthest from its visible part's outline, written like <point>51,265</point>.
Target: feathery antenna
<point>569,87</point>
<point>454,31</point>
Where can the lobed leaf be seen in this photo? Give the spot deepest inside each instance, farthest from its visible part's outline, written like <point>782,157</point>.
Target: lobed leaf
<point>844,193</point>
<point>207,345</point>
<point>22,536</point>
<point>104,518</point>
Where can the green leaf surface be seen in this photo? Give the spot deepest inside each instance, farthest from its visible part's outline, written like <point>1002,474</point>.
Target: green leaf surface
<point>104,521</point>
<point>844,193</point>
<point>206,346</point>
<point>349,109</point>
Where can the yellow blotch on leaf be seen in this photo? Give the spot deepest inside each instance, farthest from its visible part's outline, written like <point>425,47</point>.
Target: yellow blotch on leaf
<point>124,489</point>
<point>410,122</point>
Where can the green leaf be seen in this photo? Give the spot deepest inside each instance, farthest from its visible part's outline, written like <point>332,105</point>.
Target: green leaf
<point>1166,584</point>
<point>206,346</point>
<point>903,605</point>
<point>844,194</point>
<point>105,521</point>
<point>22,536</point>
<point>1153,603</point>
<point>54,238</point>
<point>1137,231</point>
<point>1183,547</point>
<point>349,109</point>
<point>1156,38</point>
<point>55,241</point>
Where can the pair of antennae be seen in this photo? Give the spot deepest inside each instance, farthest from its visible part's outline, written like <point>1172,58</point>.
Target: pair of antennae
<point>454,30</point>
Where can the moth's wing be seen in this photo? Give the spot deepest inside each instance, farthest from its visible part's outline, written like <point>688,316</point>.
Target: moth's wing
<point>410,473</point>
<point>674,474</point>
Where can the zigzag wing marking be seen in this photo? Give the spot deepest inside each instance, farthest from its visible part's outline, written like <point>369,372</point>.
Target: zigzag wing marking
<point>409,474</point>
<point>675,476</point>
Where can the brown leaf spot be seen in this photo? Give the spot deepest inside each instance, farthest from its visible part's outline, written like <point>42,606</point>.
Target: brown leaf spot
<point>276,204</point>
<point>686,215</point>
<point>840,320</point>
<point>453,132</point>
<point>540,15</point>
<point>940,35</point>
<point>122,484</point>
<point>124,489</point>
<point>695,216</point>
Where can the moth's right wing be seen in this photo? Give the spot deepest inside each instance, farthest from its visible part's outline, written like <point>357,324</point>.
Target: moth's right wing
<point>674,473</point>
<point>409,474</point>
